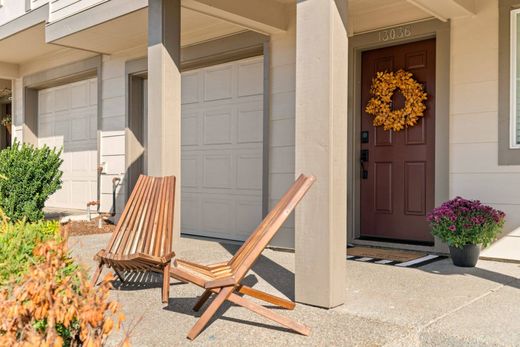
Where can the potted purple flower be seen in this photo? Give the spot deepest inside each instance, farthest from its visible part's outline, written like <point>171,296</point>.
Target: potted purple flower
<point>466,226</point>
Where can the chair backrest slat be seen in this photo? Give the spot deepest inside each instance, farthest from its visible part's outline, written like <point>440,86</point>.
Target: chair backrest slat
<point>258,241</point>
<point>135,218</point>
<point>248,245</point>
<point>146,223</point>
<point>129,223</point>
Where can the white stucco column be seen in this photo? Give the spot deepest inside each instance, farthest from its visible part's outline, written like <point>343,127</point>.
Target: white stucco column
<point>321,150</point>
<point>164,94</point>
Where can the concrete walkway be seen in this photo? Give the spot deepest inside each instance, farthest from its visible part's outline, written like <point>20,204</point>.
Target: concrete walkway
<point>436,305</point>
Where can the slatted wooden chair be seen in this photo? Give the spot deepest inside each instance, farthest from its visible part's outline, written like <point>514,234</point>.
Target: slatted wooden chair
<point>142,239</point>
<point>224,279</point>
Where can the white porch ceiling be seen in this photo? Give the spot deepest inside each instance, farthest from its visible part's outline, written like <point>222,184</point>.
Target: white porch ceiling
<point>131,31</point>
<point>25,46</point>
<point>367,15</point>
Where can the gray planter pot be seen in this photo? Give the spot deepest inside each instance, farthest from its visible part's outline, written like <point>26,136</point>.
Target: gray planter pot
<point>466,256</point>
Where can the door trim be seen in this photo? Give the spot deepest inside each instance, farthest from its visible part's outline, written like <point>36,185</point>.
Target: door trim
<point>372,40</point>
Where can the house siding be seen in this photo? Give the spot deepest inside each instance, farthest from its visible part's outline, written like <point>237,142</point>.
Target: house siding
<point>474,169</point>
<point>282,123</point>
<point>60,9</point>
<point>11,9</point>
<point>113,124</point>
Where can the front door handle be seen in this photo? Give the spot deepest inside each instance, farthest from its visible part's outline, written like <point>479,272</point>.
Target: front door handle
<point>364,155</point>
<point>363,160</point>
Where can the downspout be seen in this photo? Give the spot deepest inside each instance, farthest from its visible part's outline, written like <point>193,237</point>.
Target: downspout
<point>98,193</point>
<point>115,183</point>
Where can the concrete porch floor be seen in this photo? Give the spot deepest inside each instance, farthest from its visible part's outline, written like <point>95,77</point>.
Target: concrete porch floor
<point>435,305</point>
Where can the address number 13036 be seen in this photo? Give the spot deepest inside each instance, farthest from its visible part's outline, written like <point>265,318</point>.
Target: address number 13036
<point>395,33</point>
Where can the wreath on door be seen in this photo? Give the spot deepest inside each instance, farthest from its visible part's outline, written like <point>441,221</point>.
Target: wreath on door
<point>380,107</point>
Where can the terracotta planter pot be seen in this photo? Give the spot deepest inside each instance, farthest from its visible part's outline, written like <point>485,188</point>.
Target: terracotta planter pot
<point>466,256</point>
<point>8,127</point>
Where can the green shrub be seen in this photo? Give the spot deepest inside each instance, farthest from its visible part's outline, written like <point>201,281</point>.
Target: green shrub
<point>33,174</point>
<point>17,244</point>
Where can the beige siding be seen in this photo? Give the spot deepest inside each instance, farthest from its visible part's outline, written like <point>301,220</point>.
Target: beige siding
<point>60,9</point>
<point>112,141</point>
<point>474,169</point>
<point>17,110</point>
<point>282,122</point>
<point>38,3</point>
<point>11,9</point>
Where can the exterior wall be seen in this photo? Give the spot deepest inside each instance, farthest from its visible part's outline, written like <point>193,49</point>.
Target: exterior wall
<point>17,110</point>
<point>282,122</point>
<point>60,9</point>
<point>474,169</point>
<point>34,4</point>
<point>11,9</point>
<point>43,63</point>
<point>113,124</point>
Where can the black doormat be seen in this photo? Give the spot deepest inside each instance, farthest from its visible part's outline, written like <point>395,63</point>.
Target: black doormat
<point>393,257</point>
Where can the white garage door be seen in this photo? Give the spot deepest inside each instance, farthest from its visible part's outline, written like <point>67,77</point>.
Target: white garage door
<point>222,141</point>
<point>67,117</point>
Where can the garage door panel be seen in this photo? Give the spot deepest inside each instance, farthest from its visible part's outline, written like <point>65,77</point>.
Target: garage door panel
<point>68,119</point>
<point>250,125</point>
<point>46,128</point>
<point>93,93</point>
<point>248,216</point>
<point>45,102</point>
<point>249,171</point>
<point>190,88</point>
<point>80,95</point>
<point>190,171</point>
<point>218,127</point>
<point>190,129</point>
<point>62,196</point>
<point>218,83</point>
<point>191,213</point>
<point>250,78</point>
<point>217,215</point>
<point>61,99</point>
<point>62,130</point>
<point>222,149</point>
<point>218,171</point>
<point>80,129</point>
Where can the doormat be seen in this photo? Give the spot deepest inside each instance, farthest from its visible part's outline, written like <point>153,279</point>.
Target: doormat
<point>394,257</point>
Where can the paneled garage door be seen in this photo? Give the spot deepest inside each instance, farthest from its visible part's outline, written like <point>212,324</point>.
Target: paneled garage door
<point>222,141</point>
<point>67,117</point>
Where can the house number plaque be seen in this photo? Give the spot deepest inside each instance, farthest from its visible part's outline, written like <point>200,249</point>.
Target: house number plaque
<point>395,33</point>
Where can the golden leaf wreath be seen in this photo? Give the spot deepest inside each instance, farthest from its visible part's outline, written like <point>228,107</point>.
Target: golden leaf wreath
<point>380,105</point>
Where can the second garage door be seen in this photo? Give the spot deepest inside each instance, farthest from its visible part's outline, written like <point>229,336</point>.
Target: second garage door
<point>222,148</point>
<point>67,118</point>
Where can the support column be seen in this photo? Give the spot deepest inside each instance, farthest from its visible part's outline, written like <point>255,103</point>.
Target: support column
<point>321,150</point>
<point>164,94</point>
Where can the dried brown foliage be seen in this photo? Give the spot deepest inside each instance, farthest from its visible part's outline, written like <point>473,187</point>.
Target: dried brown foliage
<point>55,305</point>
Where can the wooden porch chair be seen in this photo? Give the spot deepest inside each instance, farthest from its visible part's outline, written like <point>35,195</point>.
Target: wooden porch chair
<point>142,239</point>
<point>223,279</point>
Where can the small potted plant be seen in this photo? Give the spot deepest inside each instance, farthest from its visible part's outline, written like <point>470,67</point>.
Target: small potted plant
<point>466,226</point>
<point>7,122</point>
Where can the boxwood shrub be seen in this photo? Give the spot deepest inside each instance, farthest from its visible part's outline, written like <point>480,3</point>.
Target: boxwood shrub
<point>32,175</point>
<point>17,244</point>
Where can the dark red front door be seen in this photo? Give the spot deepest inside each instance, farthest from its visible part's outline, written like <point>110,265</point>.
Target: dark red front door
<point>397,190</point>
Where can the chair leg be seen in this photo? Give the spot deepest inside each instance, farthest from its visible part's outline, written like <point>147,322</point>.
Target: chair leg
<point>119,274</point>
<point>255,293</point>
<point>210,312</point>
<point>203,298</point>
<point>97,274</point>
<point>269,314</point>
<point>166,284</point>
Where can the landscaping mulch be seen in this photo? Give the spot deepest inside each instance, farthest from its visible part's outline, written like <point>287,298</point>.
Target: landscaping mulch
<point>76,228</point>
